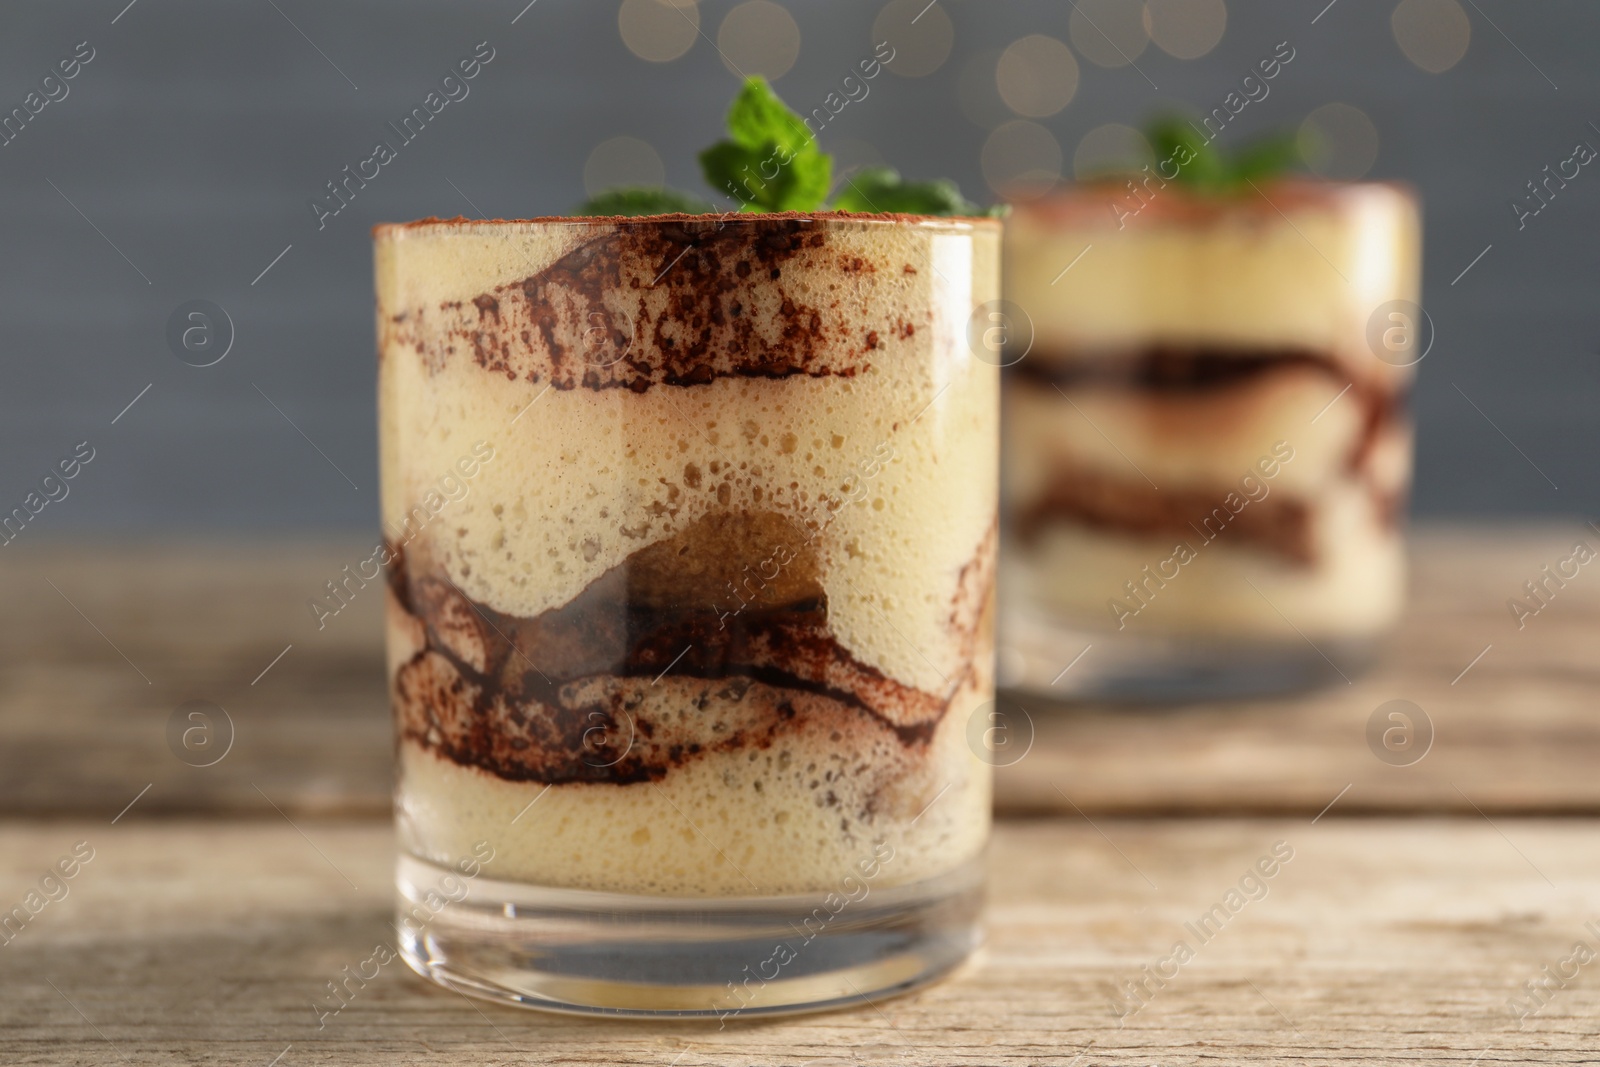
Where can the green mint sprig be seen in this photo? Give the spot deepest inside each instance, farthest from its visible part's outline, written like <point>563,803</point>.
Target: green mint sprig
<point>641,200</point>
<point>770,161</point>
<point>882,189</point>
<point>1206,168</point>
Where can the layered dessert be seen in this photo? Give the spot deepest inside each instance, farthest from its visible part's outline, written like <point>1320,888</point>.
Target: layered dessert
<point>1202,440</point>
<point>710,604</point>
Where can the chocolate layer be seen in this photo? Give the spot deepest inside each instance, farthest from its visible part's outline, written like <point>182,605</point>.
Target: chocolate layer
<point>732,607</point>
<point>1170,368</point>
<point>1275,524</point>
<point>679,304</point>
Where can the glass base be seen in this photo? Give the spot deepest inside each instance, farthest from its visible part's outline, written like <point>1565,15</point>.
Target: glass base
<point>1040,658</point>
<point>613,954</point>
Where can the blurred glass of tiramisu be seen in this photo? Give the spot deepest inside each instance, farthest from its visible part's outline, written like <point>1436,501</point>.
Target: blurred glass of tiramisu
<point>1207,448</point>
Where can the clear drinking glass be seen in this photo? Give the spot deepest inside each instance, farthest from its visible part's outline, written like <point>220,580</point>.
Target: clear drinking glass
<point>1207,445</point>
<point>691,528</point>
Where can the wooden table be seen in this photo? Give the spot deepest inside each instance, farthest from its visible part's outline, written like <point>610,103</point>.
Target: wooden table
<point>1418,902</point>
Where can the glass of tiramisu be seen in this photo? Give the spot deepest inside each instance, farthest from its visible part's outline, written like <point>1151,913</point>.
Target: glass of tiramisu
<point>691,528</point>
<point>1206,441</point>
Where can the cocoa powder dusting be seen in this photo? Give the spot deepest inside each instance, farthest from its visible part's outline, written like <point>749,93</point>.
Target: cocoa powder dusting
<point>680,303</point>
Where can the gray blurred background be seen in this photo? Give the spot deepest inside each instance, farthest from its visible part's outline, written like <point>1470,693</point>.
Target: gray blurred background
<point>182,160</point>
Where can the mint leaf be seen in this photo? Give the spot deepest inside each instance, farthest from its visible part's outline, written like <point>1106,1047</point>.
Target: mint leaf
<point>1267,157</point>
<point>882,189</point>
<point>1197,163</point>
<point>758,117</point>
<point>772,162</point>
<point>1207,169</point>
<point>734,170</point>
<point>635,200</point>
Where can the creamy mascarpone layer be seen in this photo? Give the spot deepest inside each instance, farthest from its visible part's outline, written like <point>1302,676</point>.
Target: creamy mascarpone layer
<point>1297,269</point>
<point>877,448</point>
<point>1232,273</point>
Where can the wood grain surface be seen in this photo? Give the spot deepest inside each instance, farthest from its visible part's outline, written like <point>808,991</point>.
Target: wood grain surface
<point>1381,941</point>
<point>107,641</point>
<point>1516,731</point>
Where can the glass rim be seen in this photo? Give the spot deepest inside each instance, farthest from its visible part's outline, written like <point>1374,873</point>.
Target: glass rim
<point>460,224</point>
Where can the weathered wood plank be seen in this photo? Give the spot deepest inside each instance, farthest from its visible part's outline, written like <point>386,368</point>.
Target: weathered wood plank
<point>88,686</point>
<point>1519,731</point>
<point>1380,941</point>
<point>83,731</point>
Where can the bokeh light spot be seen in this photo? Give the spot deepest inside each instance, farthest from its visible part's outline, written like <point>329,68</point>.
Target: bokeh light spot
<point>1187,29</point>
<point>659,30</point>
<point>920,33</point>
<point>759,37</point>
<point>1108,33</point>
<point>1037,76</point>
<point>1433,34</point>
